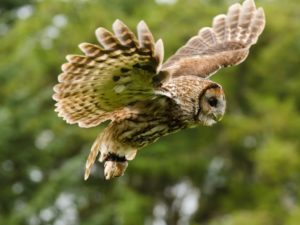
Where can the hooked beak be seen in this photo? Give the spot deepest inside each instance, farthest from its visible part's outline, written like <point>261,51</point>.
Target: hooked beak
<point>217,116</point>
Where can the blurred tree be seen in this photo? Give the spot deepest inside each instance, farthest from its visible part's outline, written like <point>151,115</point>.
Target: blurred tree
<point>12,4</point>
<point>245,170</point>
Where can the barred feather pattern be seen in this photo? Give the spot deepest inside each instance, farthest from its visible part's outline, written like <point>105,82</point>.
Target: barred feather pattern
<point>108,77</point>
<point>142,125</point>
<point>123,80</point>
<point>224,44</point>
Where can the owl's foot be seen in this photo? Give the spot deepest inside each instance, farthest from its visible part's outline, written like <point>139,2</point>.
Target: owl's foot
<point>114,166</point>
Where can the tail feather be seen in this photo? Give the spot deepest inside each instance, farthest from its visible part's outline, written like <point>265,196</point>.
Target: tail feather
<point>92,157</point>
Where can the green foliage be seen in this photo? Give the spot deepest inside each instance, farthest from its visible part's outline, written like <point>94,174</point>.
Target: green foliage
<point>244,170</point>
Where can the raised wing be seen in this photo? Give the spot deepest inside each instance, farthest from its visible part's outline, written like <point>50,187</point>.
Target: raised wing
<point>224,44</point>
<point>108,77</point>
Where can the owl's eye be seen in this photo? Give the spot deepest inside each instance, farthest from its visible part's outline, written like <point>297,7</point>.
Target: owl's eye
<point>212,101</point>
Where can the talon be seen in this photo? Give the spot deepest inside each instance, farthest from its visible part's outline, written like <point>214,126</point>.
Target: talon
<point>103,157</point>
<point>114,169</point>
<point>114,165</point>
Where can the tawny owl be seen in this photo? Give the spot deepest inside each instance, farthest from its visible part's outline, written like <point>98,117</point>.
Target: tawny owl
<point>124,80</point>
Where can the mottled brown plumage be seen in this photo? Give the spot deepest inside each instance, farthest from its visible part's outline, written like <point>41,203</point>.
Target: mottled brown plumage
<point>124,80</point>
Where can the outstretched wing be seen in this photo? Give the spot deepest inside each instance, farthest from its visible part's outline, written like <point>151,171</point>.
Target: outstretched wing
<point>226,43</point>
<point>108,77</point>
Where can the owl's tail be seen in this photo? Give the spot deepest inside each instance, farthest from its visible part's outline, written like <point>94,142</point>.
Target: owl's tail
<point>92,157</point>
<point>114,155</point>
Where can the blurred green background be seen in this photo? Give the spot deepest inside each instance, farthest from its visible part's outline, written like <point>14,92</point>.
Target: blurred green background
<point>242,171</point>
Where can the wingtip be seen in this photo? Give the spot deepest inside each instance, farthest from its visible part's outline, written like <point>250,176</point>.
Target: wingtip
<point>64,67</point>
<point>203,29</point>
<point>82,46</point>
<point>142,25</point>
<point>159,43</point>
<point>99,31</point>
<point>220,16</point>
<point>261,10</point>
<point>159,53</point>
<point>234,7</point>
<point>56,98</point>
<point>117,24</point>
<point>248,3</point>
<point>117,21</point>
<point>69,58</point>
<point>101,35</point>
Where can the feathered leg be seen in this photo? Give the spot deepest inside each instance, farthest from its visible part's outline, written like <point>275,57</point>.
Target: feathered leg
<point>115,155</point>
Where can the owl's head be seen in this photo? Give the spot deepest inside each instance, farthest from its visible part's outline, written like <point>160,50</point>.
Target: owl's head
<point>212,104</point>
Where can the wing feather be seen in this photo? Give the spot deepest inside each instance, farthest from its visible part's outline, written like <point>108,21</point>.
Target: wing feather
<point>146,39</point>
<point>226,43</point>
<point>124,34</point>
<point>108,77</point>
<point>106,38</point>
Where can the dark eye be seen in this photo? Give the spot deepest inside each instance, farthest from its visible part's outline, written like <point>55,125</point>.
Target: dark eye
<point>212,101</point>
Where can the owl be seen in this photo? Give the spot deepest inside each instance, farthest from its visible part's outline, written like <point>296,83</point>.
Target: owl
<point>125,81</point>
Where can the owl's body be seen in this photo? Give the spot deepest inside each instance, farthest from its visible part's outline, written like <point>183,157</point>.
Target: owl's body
<point>125,81</point>
<point>146,121</point>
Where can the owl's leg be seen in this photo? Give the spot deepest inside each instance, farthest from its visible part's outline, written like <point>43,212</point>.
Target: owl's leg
<point>116,162</point>
<point>115,155</point>
<point>114,165</point>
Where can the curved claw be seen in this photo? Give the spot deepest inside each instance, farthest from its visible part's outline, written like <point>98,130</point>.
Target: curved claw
<point>114,169</point>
